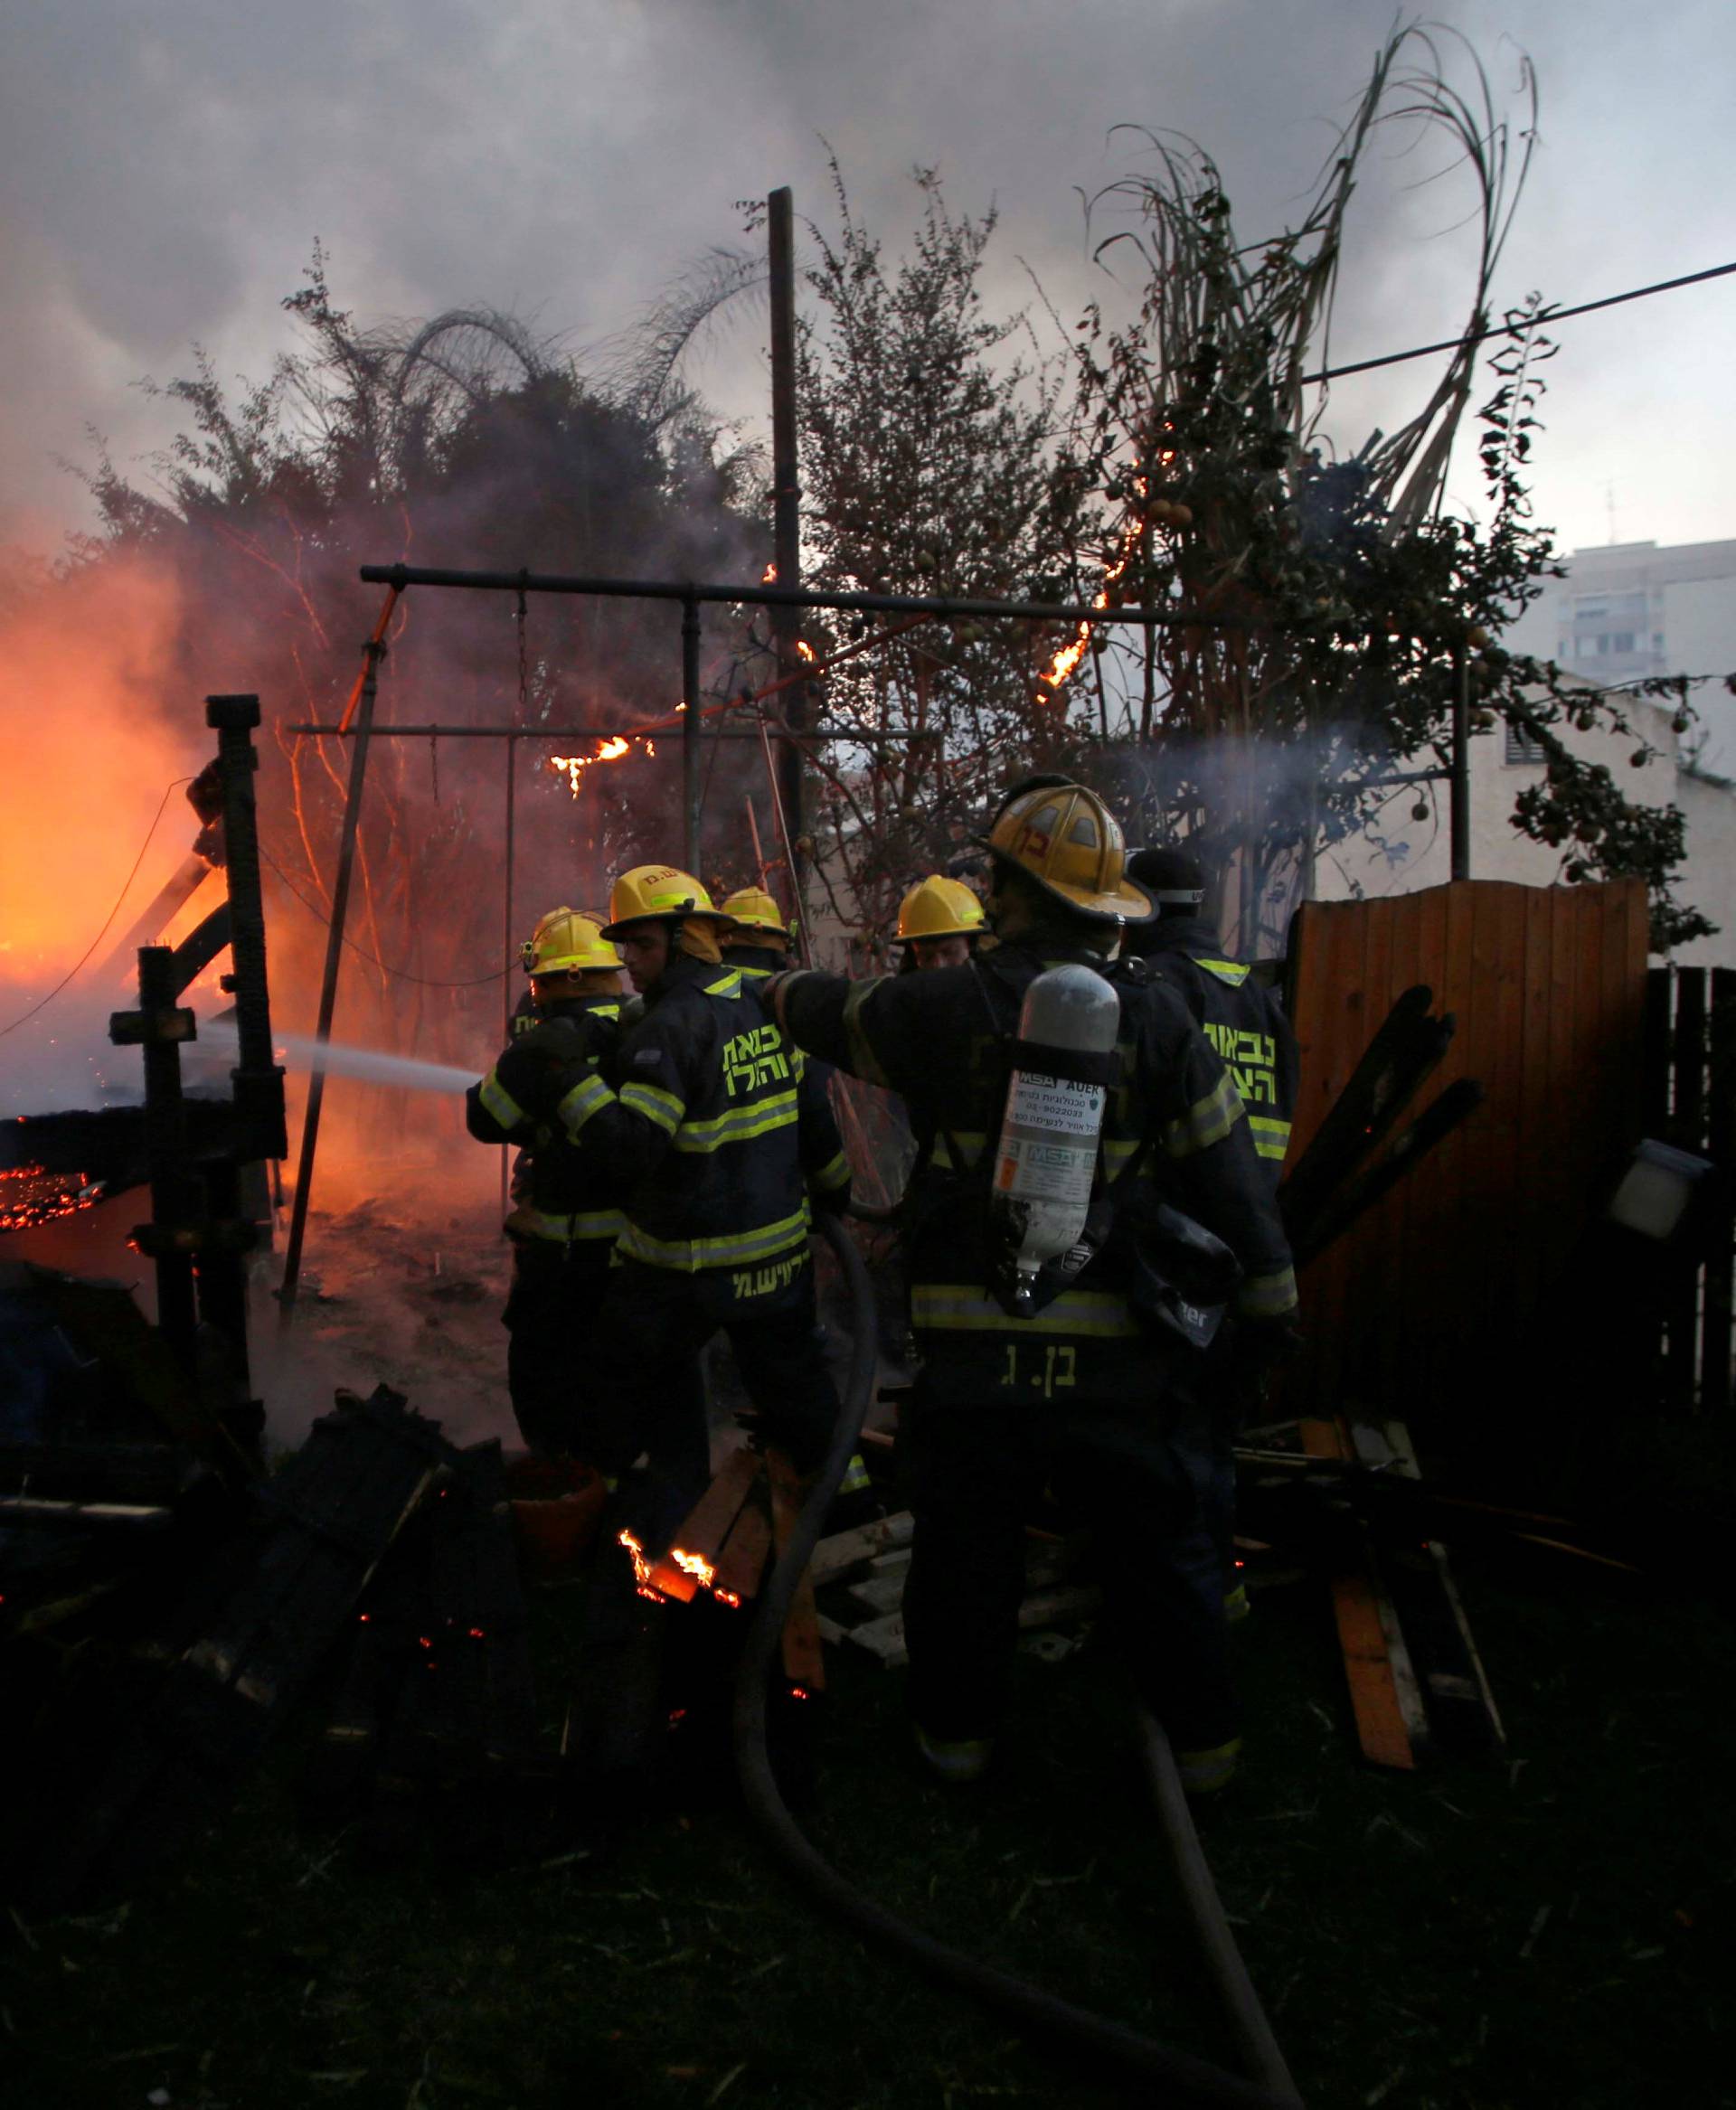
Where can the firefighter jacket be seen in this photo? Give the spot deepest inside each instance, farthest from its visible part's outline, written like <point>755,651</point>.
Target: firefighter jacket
<point>1174,1126</point>
<point>700,1123</point>
<point>559,1196</point>
<point>1243,1021</point>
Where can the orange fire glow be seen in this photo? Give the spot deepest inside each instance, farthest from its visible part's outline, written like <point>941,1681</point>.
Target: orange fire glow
<point>769,576</point>
<point>805,649</point>
<point>29,1196</point>
<point>97,718</point>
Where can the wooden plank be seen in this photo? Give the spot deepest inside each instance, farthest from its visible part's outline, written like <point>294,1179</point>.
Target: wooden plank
<point>1456,1680</point>
<point>699,1539</point>
<point>1687,1128</point>
<point>1655,1064</point>
<point>843,1550</point>
<point>1718,1345</point>
<point>741,1562</point>
<point>1382,1728</point>
<point>1535,1118</point>
<point>804,1661</point>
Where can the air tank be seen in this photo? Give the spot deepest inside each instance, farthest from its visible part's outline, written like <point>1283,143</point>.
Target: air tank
<point>1046,1158</point>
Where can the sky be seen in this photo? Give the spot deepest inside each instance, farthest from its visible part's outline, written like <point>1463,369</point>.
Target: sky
<point>167,165</point>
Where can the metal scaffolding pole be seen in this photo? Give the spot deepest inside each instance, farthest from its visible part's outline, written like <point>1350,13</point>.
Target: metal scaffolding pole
<point>787,524</point>
<point>286,1293</point>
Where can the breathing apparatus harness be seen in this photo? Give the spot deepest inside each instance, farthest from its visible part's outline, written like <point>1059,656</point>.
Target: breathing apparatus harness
<point>1038,1185</point>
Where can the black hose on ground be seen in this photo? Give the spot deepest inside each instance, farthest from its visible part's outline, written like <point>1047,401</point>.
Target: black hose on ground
<point>1108,2045</point>
<point>1253,2033</point>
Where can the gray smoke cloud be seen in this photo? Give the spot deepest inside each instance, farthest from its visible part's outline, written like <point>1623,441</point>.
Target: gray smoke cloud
<point>166,170</point>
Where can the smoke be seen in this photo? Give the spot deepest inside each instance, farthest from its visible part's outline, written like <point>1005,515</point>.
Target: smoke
<point>87,667</point>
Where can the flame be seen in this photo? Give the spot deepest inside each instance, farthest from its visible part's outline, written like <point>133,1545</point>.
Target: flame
<point>1069,654</point>
<point>573,767</point>
<point>805,649</point>
<point>769,576</point>
<point>727,1597</point>
<point>39,1196</point>
<point>641,1566</point>
<point>693,1564</point>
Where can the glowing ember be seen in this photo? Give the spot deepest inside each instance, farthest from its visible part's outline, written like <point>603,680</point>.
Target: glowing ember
<point>30,1195</point>
<point>769,576</point>
<point>804,648</point>
<point>727,1597</point>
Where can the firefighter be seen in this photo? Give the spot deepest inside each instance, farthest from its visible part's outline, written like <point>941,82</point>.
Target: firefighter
<point>564,1223</point>
<point>1089,1395</point>
<point>1243,1019</point>
<point>757,938</point>
<point>1245,1023</point>
<point>701,1126</point>
<point>939,921</point>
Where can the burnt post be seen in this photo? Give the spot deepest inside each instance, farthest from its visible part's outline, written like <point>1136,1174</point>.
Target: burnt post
<point>258,1078</point>
<point>787,523</point>
<point>159,1026</point>
<point>1461,779</point>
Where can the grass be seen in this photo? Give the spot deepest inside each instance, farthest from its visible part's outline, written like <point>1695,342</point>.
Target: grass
<point>1553,1929</point>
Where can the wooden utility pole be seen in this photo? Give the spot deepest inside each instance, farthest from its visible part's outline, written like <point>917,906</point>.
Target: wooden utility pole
<point>786,521</point>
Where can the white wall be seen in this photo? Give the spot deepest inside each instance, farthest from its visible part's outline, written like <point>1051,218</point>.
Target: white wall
<point>1498,852</point>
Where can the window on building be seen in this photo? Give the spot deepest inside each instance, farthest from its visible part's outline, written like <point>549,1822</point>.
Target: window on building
<point>1622,642</point>
<point>1522,746</point>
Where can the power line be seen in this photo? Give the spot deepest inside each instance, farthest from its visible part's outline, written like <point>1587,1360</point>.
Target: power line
<point>106,920</point>
<point>1517,329</point>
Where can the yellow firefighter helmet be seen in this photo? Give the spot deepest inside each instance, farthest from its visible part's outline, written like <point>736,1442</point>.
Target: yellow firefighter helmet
<point>751,908</point>
<point>566,941</point>
<point>659,893</point>
<point>1072,844</point>
<point>939,906</point>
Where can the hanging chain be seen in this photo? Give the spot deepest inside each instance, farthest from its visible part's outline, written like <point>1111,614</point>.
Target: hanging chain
<point>524,664</point>
<point>434,764</point>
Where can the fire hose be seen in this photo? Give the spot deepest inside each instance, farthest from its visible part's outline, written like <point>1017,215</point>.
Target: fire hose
<point>1106,2043</point>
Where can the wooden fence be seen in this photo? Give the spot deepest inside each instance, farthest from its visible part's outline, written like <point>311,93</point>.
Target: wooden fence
<point>1426,1303</point>
<point>1689,1099</point>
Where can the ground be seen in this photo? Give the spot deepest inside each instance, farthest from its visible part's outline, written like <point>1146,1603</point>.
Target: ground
<point>1553,1928</point>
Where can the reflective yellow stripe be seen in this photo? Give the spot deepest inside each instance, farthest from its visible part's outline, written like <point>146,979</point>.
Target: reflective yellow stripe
<point>728,985</point>
<point>834,1174</point>
<point>499,1102</point>
<point>737,1249</point>
<point>1117,1155</point>
<point>1231,971</point>
<point>864,1061</point>
<point>581,1224</point>
<point>1267,1297</point>
<point>1207,1121</point>
<point>954,1307</point>
<point>738,1125</point>
<point>588,1097</point>
<point>756,973</point>
<point>970,1142</point>
<point>855,1476</point>
<point>1271,1139</point>
<point>655,1104</point>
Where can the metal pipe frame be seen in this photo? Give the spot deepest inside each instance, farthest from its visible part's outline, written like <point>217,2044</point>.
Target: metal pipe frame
<point>400,577</point>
